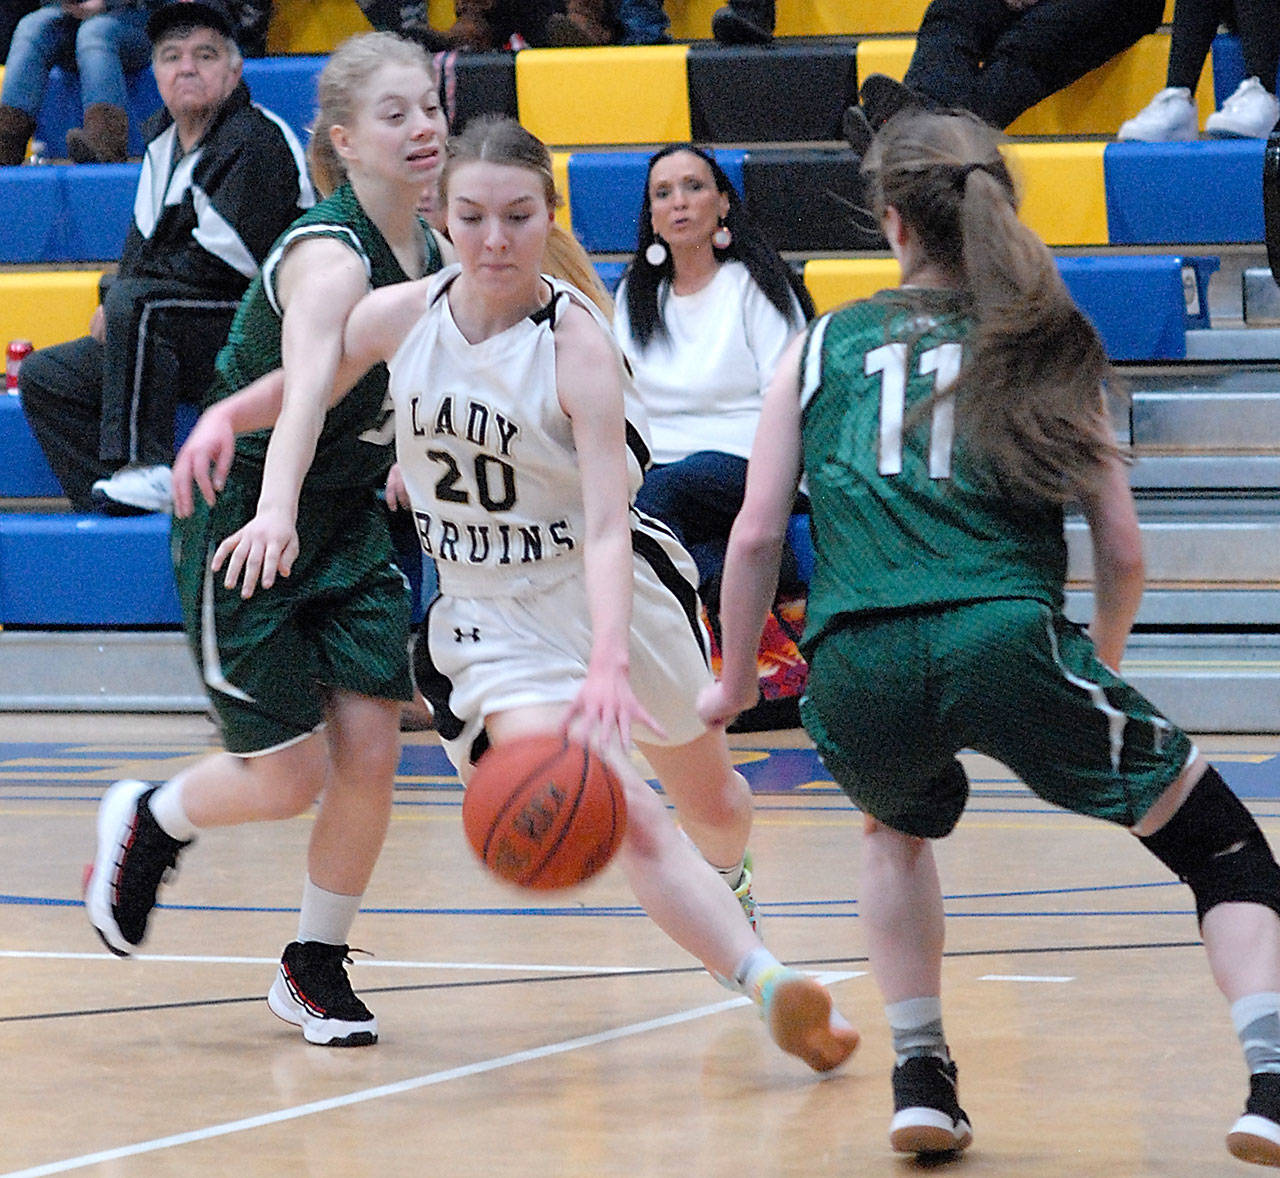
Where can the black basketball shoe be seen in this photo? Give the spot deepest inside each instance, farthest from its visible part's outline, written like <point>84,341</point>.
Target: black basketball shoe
<point>133,857</point>
<point>882,97</point>
<point>927,1117</point>
<point>312,991</point>
<point>1255,1137</point>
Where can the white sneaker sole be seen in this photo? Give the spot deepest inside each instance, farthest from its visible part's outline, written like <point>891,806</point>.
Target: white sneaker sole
<point>114,814</point>
<point>928,1130</point>
<point>1255,1139</point>
<point>324,1032</point>
<point>798,1016</point>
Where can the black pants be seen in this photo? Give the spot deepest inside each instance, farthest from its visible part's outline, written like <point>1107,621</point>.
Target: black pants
<point>983,56</point>
<point>1195,24</point>
<point>96,407</point>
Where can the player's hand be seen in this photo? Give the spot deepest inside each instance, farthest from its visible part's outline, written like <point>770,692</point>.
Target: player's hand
<point>263,549</point>
<point>718,707</point>
<point>204,460</point>
<point>602,714</point>
<point>397,492</point>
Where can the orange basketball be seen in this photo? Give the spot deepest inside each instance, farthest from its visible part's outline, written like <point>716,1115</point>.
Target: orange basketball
<point>543,812</point>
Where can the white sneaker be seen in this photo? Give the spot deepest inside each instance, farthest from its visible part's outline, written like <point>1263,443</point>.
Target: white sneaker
<point>1250,113</point>
<point>1170,116</point>
<point>148,488</point>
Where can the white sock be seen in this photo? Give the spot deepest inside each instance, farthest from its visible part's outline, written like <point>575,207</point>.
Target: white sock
<point>166,809</point>
<point>752,968</point>
<point>1257,1021</point>
<point>916,1024</point>
<point>326,916</point>
<point>732,875</point>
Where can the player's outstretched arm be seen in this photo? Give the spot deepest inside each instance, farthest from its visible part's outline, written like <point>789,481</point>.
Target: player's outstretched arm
<point>205,457</point>
<point>590,391</point>
<point>750,576</point>
<point>320,282</point>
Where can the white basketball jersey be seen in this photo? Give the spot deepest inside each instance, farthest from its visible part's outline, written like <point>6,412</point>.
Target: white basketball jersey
<point>485,449</point>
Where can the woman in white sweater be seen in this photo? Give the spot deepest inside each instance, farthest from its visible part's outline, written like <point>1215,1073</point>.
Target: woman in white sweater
<point>704,311</point>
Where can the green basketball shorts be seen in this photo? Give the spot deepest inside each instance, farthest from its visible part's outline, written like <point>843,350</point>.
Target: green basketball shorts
<point>892,698</point>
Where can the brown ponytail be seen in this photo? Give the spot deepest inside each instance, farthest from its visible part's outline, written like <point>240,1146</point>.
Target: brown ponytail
<point>1030,395</point>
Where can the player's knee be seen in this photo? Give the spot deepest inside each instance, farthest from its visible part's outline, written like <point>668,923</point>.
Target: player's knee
<point>1213,844</point>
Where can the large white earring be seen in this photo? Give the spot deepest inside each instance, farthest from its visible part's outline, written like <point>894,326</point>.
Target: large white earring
<point>656,253</point>
<point>722,238</point>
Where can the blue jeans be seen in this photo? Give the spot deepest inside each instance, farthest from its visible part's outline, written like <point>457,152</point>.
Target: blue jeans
<point>644,22</point>
<point>101,50</point>
<point>699,497</point>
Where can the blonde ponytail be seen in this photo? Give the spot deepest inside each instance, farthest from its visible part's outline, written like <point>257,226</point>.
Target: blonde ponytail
<point>565,258</point>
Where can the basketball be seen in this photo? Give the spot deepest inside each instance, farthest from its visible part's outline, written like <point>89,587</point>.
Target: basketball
<point>543,812</point>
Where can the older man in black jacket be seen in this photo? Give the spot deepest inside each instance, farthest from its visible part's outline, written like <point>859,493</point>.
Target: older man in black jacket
<point>221,179</point>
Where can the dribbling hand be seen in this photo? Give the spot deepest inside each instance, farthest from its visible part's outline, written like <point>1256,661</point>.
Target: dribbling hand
<point>603,712</point>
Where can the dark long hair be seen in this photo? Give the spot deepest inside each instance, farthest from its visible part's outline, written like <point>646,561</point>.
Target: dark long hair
<point>749,246</point>
<point>1029,396</point>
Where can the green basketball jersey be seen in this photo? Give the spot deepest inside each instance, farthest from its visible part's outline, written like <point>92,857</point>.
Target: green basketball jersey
<point>901,517</point>
<point>357,443</point>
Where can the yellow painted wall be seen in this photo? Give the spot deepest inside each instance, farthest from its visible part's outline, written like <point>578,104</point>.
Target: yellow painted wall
<point>316,26</point>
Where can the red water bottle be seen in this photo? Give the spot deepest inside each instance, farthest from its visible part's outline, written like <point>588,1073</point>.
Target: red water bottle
<point>18,350</point>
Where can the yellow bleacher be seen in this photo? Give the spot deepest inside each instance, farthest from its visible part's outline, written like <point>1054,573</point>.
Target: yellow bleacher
<point>47,306</point>
<point>640,95</point>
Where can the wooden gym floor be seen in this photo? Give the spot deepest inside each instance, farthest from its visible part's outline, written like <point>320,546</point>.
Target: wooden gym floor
<point>563,1036</point>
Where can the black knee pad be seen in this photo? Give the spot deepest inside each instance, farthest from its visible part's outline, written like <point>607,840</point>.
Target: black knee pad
<point>1215,847</point>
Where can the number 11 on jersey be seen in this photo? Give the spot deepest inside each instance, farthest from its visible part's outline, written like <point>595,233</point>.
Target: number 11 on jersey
<point>943,365</point>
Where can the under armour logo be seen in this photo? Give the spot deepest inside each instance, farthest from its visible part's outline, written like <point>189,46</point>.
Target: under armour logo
<point>459,634</point>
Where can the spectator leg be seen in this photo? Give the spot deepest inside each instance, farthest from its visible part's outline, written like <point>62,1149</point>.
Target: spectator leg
<point>698,497</point>
<point>1195,22</point>
<point>954,39</point>
<point>1051,45</point>
<point>61,390</point>
<point>643,22</point>
<point>107,47</point>
<point>1258,22</point>
<point>39,43</point>
<point>160,349</point>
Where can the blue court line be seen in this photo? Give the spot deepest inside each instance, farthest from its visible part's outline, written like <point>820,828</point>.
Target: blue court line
<point>811,910</point>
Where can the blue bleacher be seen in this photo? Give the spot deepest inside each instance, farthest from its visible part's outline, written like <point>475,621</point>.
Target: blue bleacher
<point>86,570</point>
<point>24,474</point>
<point>1136,302</point>
<point>61,214</point>
<point>1184,193</point>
